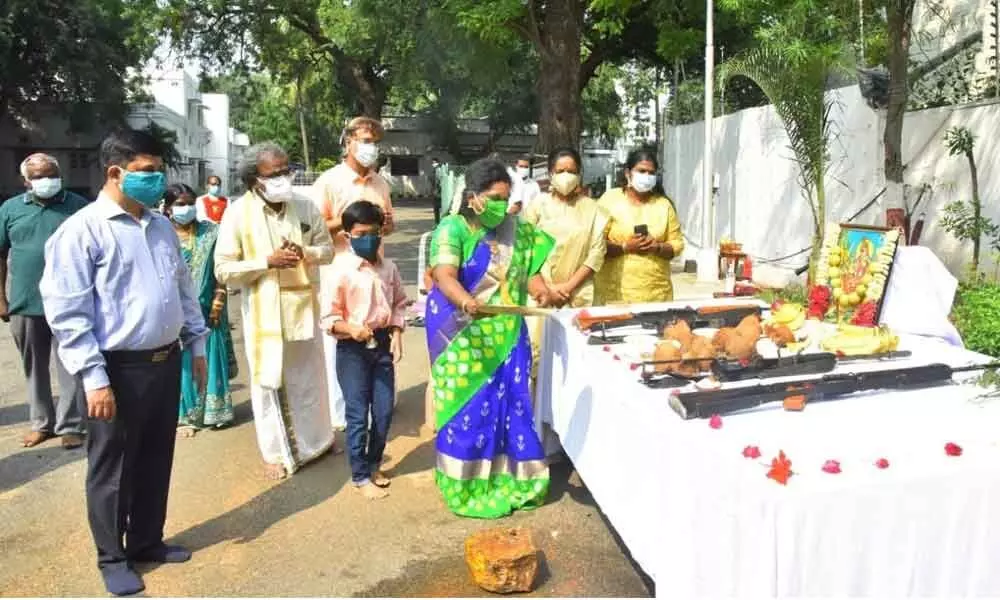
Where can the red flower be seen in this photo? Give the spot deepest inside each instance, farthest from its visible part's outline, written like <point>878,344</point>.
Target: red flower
<point>715,422</point>
<point>607,348</point>
<point>882,463</point>
<point>818,301</point>
<point>633,367</point>
<point>616,357</point>
<point>777,304</point>
<point>744,362</point>
<point>781,468</point>
<point>832,467</point>
<point>864,315</point>
<point>751,452</point>
<point>952,449</point>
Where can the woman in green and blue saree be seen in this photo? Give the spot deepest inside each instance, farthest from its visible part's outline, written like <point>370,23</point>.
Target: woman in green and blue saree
<point>215,407</point>
<point>490,460</point>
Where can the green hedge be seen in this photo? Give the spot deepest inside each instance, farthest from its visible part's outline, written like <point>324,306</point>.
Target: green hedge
<point>976,314</point>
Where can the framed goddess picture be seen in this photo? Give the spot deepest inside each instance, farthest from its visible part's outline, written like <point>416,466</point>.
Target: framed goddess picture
<point>854,267</point>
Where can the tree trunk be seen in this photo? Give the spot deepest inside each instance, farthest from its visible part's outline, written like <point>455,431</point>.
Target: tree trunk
<point>369,90</point>
<point>977,211</point>
<point>302,122</point>
<point>819,228</point>
<point>900,16</point>
<point>560,120</point>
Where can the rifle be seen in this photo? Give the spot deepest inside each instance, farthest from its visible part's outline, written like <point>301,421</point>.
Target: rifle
<point>795,395</point>
<point>706,316</point>
<point>726,369</point>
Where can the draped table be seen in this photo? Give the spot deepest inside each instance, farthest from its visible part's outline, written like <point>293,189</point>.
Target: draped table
<point>905,516</point>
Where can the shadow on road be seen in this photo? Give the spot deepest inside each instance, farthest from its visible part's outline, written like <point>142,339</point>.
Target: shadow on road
<point>310,486</point>
<point>17,413</point>
<point>30,464</point>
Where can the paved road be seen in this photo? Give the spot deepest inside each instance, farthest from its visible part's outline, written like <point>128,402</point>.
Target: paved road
<point>310,535</point>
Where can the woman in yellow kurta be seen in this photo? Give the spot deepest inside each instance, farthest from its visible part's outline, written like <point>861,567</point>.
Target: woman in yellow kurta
<point>577,223</point>
<point>643,237</point>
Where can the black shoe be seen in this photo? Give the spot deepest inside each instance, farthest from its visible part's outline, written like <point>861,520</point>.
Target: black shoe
<point>164,553</point>
<point>121,580</point>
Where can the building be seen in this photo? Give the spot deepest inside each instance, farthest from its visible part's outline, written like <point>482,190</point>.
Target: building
<point>199,123</point>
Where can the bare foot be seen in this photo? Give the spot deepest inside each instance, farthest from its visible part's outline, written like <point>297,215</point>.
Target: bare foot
<point>36,437</point>
<point>371,491</point>
<point>275,472</point>
<point>186,432</point>
<point>380,479</point>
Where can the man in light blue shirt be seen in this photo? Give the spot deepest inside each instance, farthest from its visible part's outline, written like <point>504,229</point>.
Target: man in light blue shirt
<point>120,300</point>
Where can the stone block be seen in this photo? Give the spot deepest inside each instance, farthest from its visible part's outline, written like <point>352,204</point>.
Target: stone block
<point>502,560</point>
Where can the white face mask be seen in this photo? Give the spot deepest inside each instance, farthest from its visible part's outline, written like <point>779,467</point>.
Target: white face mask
<point>277,189</point>
<point>366,153</point>
<point>643,182</point>
<point>183,214</point>
<point>565,183</point>
<point>523,172</point>
<point>46,187</point>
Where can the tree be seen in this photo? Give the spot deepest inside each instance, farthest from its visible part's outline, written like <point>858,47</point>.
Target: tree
<point>572,39</point>
<point>365,43</point>
<point>899,24</point>
<point>73,55</point>
<point>796,87</point>
<point>965,220</point>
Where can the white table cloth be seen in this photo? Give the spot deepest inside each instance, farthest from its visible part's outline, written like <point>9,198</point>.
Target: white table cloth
<point>703,520</point>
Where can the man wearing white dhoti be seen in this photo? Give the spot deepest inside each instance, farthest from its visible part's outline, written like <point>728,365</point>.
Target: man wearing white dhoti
<point>271,244</point>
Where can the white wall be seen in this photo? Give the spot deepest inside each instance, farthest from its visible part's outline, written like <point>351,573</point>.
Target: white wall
<point>760,204</point>
<point>216,152</point>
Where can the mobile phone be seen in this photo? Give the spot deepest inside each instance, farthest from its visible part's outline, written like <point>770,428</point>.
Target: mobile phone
<point>642,229</point>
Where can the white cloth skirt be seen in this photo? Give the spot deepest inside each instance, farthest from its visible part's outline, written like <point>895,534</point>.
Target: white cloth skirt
<point>293,424</point>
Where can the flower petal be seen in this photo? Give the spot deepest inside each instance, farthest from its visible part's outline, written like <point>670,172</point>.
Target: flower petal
<point>715,422</point>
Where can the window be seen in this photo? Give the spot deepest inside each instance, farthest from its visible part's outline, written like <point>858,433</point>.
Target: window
<point>405,166</point>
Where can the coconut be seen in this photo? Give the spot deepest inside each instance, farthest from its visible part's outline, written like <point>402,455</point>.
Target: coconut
<point>680,331</point>
<point>740,346</point>
<point>749,327</point>
<point>702,350</point>
<point>666,350</point>
<point>721,337</point>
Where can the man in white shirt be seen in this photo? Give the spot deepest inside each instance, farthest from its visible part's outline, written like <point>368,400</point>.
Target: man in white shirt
<point>525,188</point>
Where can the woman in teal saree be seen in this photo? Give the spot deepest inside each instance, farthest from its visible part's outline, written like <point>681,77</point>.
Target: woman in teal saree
<point>215,407</point>
<point>490,460</point>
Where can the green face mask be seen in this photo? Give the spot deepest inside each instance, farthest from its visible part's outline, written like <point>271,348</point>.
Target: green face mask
<point>494,213</point>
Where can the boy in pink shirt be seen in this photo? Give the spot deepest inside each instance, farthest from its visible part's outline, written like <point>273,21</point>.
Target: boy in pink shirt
<point>365,308</point>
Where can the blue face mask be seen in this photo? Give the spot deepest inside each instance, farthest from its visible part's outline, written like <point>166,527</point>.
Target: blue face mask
<point>213,190</point>
<point>183,215</point>
<point>145,188</point>
<point>367,246</point>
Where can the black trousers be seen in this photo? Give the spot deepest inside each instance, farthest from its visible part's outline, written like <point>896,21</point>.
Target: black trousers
<point>129,458</point>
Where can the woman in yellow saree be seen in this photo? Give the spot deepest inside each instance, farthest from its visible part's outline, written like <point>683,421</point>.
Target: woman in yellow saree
<point>643,237</point>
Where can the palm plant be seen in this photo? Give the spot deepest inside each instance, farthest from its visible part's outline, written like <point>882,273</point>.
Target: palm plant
<point>795,83</point>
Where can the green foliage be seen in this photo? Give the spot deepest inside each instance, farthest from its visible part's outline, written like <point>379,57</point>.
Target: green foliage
<point>960,141</point>
<point>976,315</point>
<point>959,219</point>
<point>794,293</point>
<point>325,164</point>
<point>602,107</point>
<point>74,55</point>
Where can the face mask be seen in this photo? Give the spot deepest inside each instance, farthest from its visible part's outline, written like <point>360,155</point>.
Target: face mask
<point>277,189</point>
<point>145,188</point>
<point>183,215</point>
<point>565,183</point>
<point>643,182</point>
<point>522,172</point>
<point>366,154</point>
<point>46,187</point>
<point>494,213</point>
<point>366,246</point>
<point>213,190</point>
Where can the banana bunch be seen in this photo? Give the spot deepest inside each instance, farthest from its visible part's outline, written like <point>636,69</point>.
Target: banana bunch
<point>852,340</point>
<point>788,314</point>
